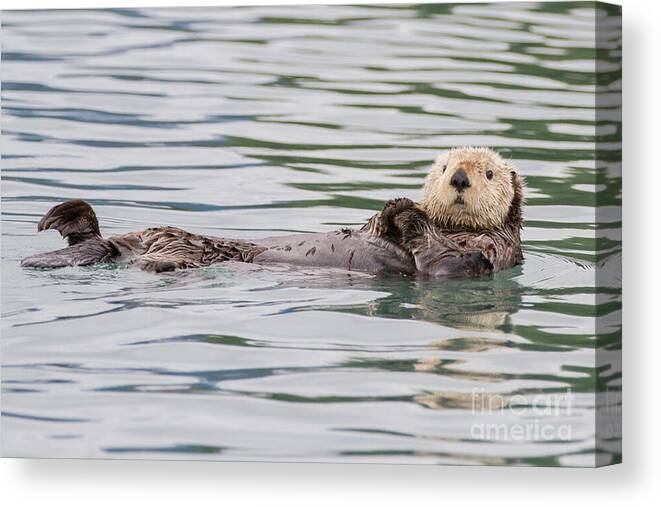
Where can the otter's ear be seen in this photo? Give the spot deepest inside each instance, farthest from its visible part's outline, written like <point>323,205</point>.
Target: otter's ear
<point>437,170</point>
<point>440,163</point>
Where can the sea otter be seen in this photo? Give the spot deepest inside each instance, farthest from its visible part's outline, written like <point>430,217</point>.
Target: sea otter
<point>468,223</point>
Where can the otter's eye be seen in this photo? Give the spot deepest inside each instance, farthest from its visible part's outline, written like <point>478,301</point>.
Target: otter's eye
<point>445,166</point>
<point>489,174</point>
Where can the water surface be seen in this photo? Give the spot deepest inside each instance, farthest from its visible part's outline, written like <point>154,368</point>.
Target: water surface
<point>256,121</point>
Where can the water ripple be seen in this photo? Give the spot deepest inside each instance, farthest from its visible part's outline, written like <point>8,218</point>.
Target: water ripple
<point>258,121</point>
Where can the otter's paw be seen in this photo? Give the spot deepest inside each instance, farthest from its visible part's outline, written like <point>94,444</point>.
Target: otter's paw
<point>398,204</point>
<point>411,224</point>
<point>155,266</point>
<point>477,264</point>
<point>384,225</point>
<point>469,264</point>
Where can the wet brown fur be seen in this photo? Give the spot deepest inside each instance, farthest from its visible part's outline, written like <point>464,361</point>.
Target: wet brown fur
<point>479,235</point>
<point>438,237</point>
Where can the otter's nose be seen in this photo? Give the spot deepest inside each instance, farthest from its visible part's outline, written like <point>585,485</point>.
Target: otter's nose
<point>460,180</point>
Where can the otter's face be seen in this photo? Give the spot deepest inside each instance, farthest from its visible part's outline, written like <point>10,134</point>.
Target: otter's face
<point>471,188</point>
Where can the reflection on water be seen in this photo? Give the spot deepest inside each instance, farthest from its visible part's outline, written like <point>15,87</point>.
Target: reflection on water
<point>255,121</point>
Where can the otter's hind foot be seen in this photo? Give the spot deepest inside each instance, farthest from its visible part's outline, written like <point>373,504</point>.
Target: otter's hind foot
<point>75,220</point>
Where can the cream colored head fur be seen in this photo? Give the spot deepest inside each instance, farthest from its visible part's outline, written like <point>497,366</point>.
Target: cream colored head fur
<point>491,199</point>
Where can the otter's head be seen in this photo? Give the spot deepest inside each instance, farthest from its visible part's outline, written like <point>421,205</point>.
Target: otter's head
<point>474,189</point>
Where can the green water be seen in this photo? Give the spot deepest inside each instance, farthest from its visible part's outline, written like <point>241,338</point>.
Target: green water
<point>256,121</point>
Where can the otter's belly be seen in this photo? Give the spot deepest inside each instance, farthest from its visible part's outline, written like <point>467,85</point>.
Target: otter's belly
<point>350,250</point>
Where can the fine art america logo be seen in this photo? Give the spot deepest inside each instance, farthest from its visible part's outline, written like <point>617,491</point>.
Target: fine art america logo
<point>524,418</point>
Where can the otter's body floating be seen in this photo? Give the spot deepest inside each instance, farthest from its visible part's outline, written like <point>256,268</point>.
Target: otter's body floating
<point>443,236</point>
